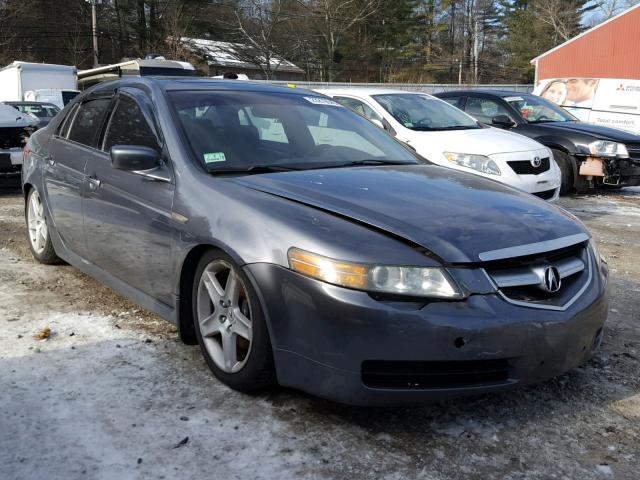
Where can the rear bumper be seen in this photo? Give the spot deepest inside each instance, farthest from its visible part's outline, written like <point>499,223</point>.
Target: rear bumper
<point>323,334</point>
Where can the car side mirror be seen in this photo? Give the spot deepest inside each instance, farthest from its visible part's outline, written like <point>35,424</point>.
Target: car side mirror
<point>134,158</point>
<point>502,121</point>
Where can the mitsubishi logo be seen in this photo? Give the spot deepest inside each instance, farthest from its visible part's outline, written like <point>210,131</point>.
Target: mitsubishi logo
<point>551,281</point>
<point>536,162</point>
<point>620,88</point>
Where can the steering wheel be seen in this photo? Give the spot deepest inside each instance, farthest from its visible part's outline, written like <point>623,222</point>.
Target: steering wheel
<point>424,121</point>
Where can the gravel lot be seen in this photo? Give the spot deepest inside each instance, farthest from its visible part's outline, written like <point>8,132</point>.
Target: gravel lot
<point>112,393</point>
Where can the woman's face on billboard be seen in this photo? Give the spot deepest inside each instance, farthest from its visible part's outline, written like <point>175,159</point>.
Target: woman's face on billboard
<point>556,92</point>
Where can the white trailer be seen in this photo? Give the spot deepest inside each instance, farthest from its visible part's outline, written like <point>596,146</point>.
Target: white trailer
<point>38,82</point>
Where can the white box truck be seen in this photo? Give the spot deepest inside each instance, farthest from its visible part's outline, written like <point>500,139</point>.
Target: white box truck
<point>38,82</point>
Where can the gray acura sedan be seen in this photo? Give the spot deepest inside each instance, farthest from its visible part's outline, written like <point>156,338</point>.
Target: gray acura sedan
<point>301,245</point>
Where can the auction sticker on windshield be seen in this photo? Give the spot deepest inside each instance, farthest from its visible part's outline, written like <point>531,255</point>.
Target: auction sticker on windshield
<point>214,157</point>
<point>322,101</point>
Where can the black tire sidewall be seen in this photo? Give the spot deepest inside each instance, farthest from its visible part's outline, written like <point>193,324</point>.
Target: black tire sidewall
<point>258,372</point>
<point>567,173</point>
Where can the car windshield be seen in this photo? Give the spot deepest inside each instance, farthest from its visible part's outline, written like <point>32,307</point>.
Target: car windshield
<point>260,132</point>
<point>423,113</point>
<point>539,110</point>
<point>40,111</point>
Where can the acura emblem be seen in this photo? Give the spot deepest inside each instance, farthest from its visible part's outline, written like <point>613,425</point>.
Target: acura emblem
<point>551,281</point>
<point>536,162</point>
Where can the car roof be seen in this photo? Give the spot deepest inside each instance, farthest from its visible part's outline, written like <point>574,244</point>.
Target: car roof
<point>359,91</point>
<point>495,93</point>
<point>205,83</point>
<point>31,103</point>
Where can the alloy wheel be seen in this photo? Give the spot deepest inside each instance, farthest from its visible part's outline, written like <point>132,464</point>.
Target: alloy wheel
<point>224,316</point>
<point>37,223</point>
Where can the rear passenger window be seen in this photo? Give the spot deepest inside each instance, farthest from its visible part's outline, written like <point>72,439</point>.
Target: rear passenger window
<point>129,126</point>
<point>87,122</point>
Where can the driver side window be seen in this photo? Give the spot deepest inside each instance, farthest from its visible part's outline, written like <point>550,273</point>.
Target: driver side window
<point>359,107</point>
<point>484,109</point>
<point>128,126</point>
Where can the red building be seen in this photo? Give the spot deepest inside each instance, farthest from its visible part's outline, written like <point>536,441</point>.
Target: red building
<point>608,50</point>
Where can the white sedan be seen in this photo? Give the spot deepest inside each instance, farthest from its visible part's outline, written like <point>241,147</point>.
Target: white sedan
<point>450,137</point>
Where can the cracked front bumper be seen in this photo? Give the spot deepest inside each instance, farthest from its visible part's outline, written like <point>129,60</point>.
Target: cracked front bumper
<point>322,334</point>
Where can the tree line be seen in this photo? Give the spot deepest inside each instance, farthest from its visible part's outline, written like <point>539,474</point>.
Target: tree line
<point>422,41</point>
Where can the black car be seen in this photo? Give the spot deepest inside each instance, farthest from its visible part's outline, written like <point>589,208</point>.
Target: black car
<point>300,244</point>
<point>43,111</point>
<point>616,152</point>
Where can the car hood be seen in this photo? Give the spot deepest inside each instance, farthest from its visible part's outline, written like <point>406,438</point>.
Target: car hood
<point>455,215</point>
<point>598,131</point>
<point>482,141</point>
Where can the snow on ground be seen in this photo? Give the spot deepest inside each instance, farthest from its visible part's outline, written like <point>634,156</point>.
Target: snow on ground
<point>112,393</point>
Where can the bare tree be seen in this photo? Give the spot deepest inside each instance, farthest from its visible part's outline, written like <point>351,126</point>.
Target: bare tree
<point>331,19</point>
<point>256,28</point>
<point>561,15</point>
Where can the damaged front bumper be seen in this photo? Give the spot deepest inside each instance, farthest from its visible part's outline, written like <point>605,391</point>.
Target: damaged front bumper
<point>346,346</point>
<point>10,162</point>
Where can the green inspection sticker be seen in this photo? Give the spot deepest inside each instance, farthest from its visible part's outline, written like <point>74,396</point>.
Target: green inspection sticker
<point>213,157</point>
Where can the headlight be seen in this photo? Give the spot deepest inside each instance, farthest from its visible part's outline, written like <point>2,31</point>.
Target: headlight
<point>400,280</point>
<point>476,162</point>
<point>603,148</point>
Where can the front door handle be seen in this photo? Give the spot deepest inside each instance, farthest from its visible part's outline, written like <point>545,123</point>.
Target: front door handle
<point>94,183</point>
<point>50,160</point>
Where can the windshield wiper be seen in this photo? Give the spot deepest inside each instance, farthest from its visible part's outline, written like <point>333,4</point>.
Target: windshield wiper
<point>365,162</point>
<point>451,127</point>
<point>254,169</point>
<point>547,121</point>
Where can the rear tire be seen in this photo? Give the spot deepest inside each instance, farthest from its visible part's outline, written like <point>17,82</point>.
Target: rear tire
<point>38,234</point>
<point>230,325</point>
<point>567,172</point>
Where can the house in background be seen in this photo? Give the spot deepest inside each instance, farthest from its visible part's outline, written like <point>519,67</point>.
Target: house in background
<point>217,58</point>
<point>608,50</point>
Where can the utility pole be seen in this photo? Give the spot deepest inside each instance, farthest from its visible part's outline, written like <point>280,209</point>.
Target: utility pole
<point>460,72</point>
<point>475,52</point>
<point>94,28</point>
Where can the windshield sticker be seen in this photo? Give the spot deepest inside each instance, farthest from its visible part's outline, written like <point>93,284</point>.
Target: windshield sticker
<point>214,157</point>
<point>322,101</point>
<point>408,124</point>
<point>514,99</point>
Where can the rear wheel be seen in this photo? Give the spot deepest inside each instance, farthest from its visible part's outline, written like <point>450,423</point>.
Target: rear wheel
<point>230,326</point>
<point>38,230</point>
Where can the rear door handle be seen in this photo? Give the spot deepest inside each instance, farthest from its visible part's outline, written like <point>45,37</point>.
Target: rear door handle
<point>94,183</point>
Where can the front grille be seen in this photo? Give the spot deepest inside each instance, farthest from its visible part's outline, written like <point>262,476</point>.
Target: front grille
<point>546,194</point>
<point>523,281</point>
<point>425,375</point>
<point>634,150</point>
<point>12,137</point>
<point>524,167</point>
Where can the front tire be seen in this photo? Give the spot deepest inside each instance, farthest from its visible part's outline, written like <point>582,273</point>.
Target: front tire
<point>567,174</point>
<point>38,233</point>
<point>230,325</point>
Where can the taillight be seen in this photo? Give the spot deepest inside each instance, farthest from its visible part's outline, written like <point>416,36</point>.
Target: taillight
<point>26,151</point>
